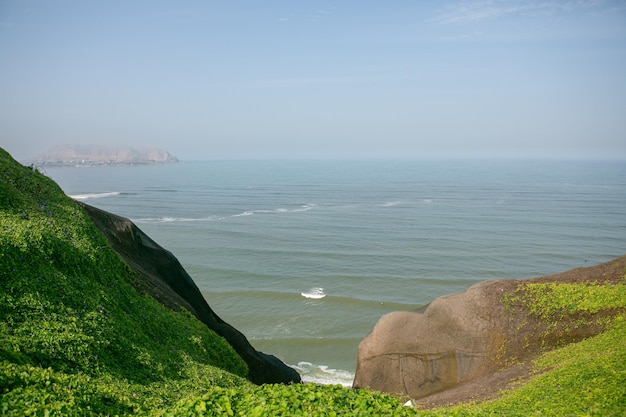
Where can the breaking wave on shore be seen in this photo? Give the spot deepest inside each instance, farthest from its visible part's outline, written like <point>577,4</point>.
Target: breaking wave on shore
<point>321,374</point>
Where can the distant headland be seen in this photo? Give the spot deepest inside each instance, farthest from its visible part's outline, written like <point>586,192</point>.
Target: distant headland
<point>103,155</point>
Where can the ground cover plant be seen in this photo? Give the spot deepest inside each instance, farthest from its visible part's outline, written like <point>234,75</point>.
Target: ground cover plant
<point>587,378</point>
<point>77,339</point>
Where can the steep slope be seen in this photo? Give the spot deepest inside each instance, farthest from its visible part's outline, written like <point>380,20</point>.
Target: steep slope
<point>77,339</point>
<point>163,277</point>
<point>68,313</point>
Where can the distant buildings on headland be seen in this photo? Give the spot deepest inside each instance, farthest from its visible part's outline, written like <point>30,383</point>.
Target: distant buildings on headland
<point>103,155</point>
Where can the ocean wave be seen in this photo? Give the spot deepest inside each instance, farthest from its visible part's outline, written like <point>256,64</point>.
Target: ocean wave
<point>321,374</point>
<point>245,213</point>
<point>314,293</point>
<point>88,196</point>
<point>353,300</point>
<point>168,219</point>
<point>280,210</point>
<point>161,190</point>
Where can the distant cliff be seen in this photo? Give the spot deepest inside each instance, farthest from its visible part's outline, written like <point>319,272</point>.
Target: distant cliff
<point>93,155</point>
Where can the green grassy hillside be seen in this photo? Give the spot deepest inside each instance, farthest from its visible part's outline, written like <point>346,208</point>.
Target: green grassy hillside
<point>74,334</point>
<point>77,339</point>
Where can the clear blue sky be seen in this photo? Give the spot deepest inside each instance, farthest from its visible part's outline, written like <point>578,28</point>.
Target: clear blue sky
<point>286,79</point>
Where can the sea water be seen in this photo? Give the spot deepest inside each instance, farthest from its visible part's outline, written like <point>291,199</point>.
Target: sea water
<point>304,257</point>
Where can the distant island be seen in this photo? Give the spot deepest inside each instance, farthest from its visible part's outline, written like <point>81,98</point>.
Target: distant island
<point>103,155</point>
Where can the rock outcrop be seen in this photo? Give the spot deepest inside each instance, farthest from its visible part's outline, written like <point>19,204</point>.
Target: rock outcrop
<point>163,277</point>
<point>468,336</point>
<point>422,353</point>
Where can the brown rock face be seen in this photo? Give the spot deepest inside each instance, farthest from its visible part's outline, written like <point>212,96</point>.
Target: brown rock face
<point>422,353</point>
<point>468,336</point>
<point>163,277</point>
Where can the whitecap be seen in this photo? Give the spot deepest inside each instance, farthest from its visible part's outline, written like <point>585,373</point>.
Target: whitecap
<point>198,219</point>
<point>87,196</point>
<point>304,207</point>
<point>315,293</point>
<point>322,374</point>
<point>279,210</point>
<point>168,219</point>
<point>154,220</point>
<point>245,213</point>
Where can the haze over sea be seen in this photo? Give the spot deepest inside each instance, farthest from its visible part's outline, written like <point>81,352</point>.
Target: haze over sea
<point>304,257</point>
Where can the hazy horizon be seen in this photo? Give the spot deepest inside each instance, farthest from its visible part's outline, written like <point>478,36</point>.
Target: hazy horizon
<point>478,79</point>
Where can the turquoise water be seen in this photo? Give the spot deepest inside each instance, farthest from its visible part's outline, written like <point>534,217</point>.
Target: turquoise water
<point>304,257</point>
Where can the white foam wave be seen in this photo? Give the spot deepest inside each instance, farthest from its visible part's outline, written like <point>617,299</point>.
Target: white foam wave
<point>87,196</point>
<point>305,207</point>
<point>315,293</point>
<point>245,213</point>
<point>321,374</point>
<point>391,204</point>
<point>168,219</point>
<point>280,210</point>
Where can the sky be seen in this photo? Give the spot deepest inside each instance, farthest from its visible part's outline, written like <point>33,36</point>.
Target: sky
<point>316,79</point>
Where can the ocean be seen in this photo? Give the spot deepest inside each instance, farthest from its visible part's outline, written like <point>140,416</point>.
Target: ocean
<point>304,257</point>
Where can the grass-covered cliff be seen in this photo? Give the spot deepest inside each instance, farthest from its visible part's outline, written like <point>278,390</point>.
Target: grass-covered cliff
<point>74,335</point>
<point>77,339</point>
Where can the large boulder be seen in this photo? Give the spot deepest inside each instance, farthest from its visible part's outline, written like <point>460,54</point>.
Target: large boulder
<point>467,336</point>
<point>417,354</point>
<point>163,277</point>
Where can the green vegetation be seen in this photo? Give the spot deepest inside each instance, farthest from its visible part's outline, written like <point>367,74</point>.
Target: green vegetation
<point>292,400</point>
<point>554,300</point>
<point>77,339</point>
<point>74,335</point>
<point>582,379</point>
